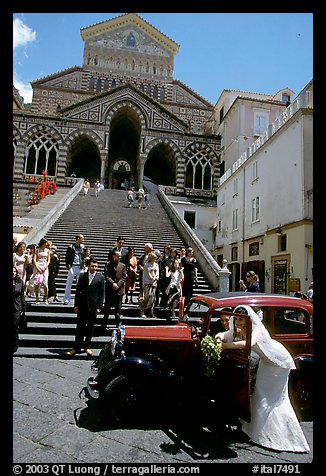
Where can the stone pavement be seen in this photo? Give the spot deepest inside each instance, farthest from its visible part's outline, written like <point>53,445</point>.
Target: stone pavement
<point>55,422</point>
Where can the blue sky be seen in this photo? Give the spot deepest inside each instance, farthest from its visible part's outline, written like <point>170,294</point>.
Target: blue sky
<point>254,52</point>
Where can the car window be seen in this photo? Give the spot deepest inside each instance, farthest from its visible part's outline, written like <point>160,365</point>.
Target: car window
<point>196,313</point>
<point>215,326</point>
<point>197,309</point>
<point>290,322</point>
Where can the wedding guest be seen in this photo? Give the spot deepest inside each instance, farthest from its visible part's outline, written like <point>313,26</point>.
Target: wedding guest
<point>190,271</point>
<point>40,275</point>
<point>89,299</point>
<point>149,283</point>
<point>253,280</point>
<point>19,306</point>
<point>74,260</point>
<point>54,267</point>
<point>131,269</point>
<point>21,258</point>
<point>174,289</point>
<point>115,279</point>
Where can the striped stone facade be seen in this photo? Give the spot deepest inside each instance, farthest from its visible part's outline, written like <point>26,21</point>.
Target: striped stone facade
<point>122,106</point>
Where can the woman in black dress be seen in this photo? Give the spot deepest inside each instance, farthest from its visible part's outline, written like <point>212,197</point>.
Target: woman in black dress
<point>19,306</point>
<point>190,270</point>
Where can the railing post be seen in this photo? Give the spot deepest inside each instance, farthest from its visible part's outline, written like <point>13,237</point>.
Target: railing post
<point>224,275</point>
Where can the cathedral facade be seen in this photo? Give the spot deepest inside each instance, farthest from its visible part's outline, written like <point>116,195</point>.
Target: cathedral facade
<point>121,115</point>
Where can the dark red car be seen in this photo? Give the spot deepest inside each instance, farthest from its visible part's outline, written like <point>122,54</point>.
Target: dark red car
<point>143,366</point>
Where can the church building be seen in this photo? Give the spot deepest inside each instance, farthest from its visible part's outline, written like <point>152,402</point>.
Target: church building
<point>121,115</point>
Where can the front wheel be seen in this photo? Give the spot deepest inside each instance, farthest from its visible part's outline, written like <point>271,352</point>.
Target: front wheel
<point>126,400</point>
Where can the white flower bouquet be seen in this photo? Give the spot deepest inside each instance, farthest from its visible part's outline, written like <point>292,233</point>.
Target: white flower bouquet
<point>211,354</point>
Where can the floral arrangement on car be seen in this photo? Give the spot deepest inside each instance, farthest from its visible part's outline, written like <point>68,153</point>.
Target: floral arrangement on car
<point>211,353</point>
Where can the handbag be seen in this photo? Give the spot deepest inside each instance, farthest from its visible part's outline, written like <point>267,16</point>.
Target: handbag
<point>22,322</point>
<point>141,298</point>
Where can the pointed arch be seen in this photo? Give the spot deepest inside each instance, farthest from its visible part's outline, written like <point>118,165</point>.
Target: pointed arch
<point>161,165</point>
<point>200,166</point>
<point>126,104</point>
<point>42,145</point>
<point>84,155</point>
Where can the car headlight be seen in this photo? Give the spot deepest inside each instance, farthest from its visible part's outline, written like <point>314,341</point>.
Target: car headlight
<point>117,340</point>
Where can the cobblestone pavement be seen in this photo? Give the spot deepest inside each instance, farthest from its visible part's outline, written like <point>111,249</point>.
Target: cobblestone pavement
<point>55,422</point>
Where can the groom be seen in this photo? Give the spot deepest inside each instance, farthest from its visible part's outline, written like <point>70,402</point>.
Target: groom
<point>89,298</point>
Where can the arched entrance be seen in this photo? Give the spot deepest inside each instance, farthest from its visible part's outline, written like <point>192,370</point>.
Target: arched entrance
<point>123,148</point>
<point>84,159</point>
<point>121,174</point>
<point>160,165</point>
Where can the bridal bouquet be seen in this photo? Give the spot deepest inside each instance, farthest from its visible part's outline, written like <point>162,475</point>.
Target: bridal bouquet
<point>211,353</point>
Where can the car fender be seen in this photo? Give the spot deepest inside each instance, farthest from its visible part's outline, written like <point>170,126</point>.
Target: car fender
<point>303,362</point>
<point>133,367</point>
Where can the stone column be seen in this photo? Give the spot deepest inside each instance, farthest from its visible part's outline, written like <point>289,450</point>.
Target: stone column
<point>103,160</point>
<point>142,160</point>
<point>224,275</point>
<point>62,165</point>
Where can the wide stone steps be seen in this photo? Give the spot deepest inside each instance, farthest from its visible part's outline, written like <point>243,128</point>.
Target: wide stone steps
<point>51,328</point>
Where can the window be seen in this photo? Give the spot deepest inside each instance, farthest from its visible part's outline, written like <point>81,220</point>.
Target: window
<point>162,94</point>
<point>234,253</point>
<point>41,154</point>
<point>190,218</point>
<point>254,249</point>
<point>131,40</point>
<point>282,243</point>
<point>219,226</point>
<point>260,122</point>
<point>221,114</point>
<point>219,260</point>
<point>285,98</point>
<point>235,219</point>
<point>235,187</point>
<point>255,209</point>
<point>91,84</point>
<point>222,168</point>
<point>255,171</point>
<point>290,322</point>
<point>106,85</point>
<point>199,170</point>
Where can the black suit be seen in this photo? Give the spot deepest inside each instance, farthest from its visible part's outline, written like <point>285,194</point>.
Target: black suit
<point>88,298</point>
<point>19,306</point>
<point>114,272</point>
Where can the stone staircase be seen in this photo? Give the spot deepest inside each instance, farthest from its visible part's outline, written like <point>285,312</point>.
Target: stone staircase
<point>51,328</point>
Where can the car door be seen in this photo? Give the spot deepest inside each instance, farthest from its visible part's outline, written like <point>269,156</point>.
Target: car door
<point>234,375</point>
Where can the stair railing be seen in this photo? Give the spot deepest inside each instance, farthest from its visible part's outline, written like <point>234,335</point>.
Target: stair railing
<point>218,277</point>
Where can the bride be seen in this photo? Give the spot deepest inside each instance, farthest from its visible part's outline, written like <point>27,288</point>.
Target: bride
<point>273,421</point>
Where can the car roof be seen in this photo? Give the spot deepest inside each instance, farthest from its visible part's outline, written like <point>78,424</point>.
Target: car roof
<point>230,299</point>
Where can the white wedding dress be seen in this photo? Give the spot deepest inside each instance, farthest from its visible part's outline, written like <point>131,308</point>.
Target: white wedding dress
<point>273,421</point>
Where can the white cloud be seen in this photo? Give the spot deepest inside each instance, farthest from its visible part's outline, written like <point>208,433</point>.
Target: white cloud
<point>23,35</point>
<point>25,89</point>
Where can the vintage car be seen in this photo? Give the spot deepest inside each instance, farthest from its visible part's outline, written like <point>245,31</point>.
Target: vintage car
<point>142,367</point>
